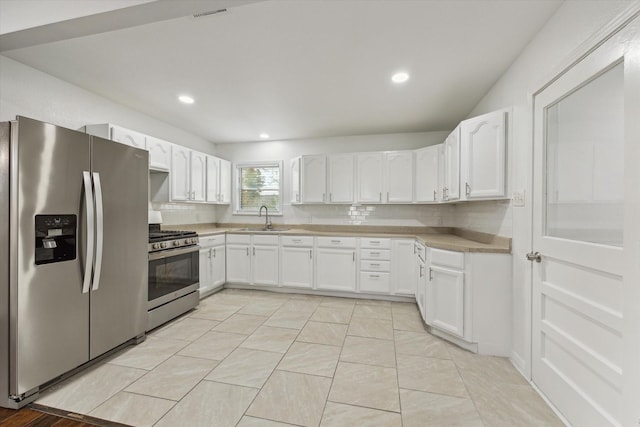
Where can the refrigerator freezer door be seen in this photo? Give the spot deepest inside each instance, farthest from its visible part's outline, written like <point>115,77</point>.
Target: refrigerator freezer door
<point>49,332</point>
<point>119,305</point>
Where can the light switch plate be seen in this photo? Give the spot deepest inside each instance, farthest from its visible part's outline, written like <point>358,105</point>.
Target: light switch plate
<point>518,198</point>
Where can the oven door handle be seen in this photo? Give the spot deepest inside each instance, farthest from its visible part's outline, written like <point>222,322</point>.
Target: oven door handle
<point>172,252</point>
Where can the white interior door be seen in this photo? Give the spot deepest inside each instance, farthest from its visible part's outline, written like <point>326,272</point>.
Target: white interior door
<point>585,186</point>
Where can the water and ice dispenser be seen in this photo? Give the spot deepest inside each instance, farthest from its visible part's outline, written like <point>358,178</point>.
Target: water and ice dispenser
<point>56,237</point>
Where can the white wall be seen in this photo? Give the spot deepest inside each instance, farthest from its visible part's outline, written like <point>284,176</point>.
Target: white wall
<point>28,92</point>
<point>406,215</point>
<point>573,23</point>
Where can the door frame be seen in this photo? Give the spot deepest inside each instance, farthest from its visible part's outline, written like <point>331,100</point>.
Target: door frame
<point>631,346</point>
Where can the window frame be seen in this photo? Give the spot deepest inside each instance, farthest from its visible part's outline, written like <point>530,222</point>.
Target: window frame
<point>237,167</point>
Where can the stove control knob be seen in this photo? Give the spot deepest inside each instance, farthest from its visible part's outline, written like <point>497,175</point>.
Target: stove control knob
<point>186,241</point>
<point>194,240</point>
<point>155,246</point>
<point>176,243</point>
<point>163,245</point>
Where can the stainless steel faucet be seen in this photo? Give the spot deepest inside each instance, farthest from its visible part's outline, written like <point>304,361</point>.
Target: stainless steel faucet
<point>267,221</point>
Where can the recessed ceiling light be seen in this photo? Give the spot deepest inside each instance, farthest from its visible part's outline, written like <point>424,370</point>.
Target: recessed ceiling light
<point>186,99</point>
<point>400,77</point>
<point>264,135</point>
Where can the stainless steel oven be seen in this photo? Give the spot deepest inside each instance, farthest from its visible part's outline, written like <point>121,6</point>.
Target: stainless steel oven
<point>174,269</point>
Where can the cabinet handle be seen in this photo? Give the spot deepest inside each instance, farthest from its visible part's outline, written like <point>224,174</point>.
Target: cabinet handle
<point>415,249</point>
<point>435,195</point>
<point>310,253</point>
<point>387,197</point>
<point>254,251</point>
<point>354,257</point>
<point>380,198</point>
<point>330,197</point>
<point>375,242</point>
<point>421,270</point>
<point>214,252</point>
<point>430,274</point>
<point>296,241</point>
<point>210,250</point>
<point>374,276</point>
<point>374,253</point>
<point>374,265</point>
<point>247,251</point>
<point>335,242</point>
<point>467,189</point>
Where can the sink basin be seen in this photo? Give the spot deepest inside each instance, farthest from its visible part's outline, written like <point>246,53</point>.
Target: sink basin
<point>263,230</point>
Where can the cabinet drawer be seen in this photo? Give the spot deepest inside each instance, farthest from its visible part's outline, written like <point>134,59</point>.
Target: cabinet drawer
<point>383,254</point>
<point>369,242</point>
<point>243,239</point>
<point>375,282</point>
<point>306,241</point>
<point>369,265</point>
<point>262,239</point>
<point>209,241</point>
<point>336,242</point>
<point>447,258</point>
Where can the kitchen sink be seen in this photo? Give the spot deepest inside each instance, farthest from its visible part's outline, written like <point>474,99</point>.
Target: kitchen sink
<point>263,230</point>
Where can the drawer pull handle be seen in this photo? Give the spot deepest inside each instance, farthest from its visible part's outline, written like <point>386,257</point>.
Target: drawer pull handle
<point>374,265</point>
<point>335,241</point>
<point>374,276</point>
<point>374,253</point>
<point>375,242</point>
<point>297,241</point>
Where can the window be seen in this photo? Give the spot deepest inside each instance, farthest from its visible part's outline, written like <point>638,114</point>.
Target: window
<point>259,184</point>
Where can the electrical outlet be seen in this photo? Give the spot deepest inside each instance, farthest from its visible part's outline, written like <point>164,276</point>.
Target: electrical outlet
<point>518,198</point>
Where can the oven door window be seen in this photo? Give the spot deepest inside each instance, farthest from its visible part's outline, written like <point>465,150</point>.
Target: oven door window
<point>170,274</point>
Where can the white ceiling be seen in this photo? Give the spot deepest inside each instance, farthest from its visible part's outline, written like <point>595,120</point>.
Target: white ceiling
<point>304,69</point>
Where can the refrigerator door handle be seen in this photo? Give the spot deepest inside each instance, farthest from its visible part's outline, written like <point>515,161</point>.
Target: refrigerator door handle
<point>97,266</point>
<point>88,262</point>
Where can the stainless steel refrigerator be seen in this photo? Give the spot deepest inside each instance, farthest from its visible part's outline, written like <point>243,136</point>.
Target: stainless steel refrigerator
<point>73,252</point>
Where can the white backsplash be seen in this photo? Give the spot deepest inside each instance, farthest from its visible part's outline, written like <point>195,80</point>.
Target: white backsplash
<point>492,216</point>
<point>185,213</point>
<point>399,215</point>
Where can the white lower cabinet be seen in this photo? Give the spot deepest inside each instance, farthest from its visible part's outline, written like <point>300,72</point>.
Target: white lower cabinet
<point>296,262</point>
<point>212,263</point>
<point>468,298</point>
<point>252,259</point>
<point>336,263</point>
<point>444,308</point>
<point>403,276</point>
<point>238,263</point>
<point>375,265</point>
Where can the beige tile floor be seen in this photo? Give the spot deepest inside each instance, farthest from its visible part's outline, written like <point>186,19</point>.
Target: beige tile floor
<point>257,359</point>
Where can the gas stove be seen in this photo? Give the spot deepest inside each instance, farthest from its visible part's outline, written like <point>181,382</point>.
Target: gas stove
<point>160,240</point>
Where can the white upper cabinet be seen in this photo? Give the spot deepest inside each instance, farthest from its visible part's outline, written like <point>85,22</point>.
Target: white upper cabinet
<point>213,179</point>
<point>180,173</point>
<point>483,145</point>
<point>451,185</point>
<point>159,154</point>
<point>398,175</point>
<point>218,180</point>
<point>188,174</point>
<point>198,176</point>
<point>314,179</point>
<point>369,177</point>
<point>225,182</point>
<point>341,178</point>
<point>128,137</point>
<point>428,174</point>
<point>294,170</point>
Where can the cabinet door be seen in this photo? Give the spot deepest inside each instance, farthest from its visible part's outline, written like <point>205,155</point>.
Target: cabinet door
<point>341,178</point>
<point>336,269</point>
<point>451,188</point>
<point>483,145</point>
<point>238,264</point>
<point>445,300</point>
<point>206,282</point>
<point>427,174</point>
<point>297,267</point>
<point>369,173</point>
<point>128,137</point>
<point>213,179</point>
<point>159,154</point>
<point>225,182</point>
<point>403,267</point>
<point>198,176</point>
<point>314,179</point>
<point>218,266</point>
<point>265,265</point>
<point>420,277</point>
<point>294,170</point>
<point>399,177</point>
<point>180,173</point>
